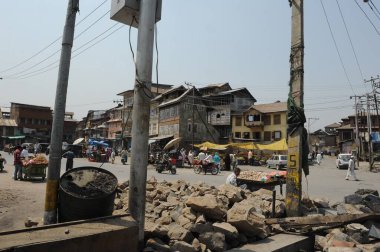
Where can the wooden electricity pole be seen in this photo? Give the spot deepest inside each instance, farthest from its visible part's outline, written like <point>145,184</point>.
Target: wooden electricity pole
<point>295,106</point>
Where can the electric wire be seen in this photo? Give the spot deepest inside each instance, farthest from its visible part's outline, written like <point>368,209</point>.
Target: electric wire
<point>374,6</point>
<point>74,56</point>
<point>352,45</point>
<point>376,13</point>
<point>336,47</point>
<point>49,45</point>
<point>377,31</point>
<point>91,25</point>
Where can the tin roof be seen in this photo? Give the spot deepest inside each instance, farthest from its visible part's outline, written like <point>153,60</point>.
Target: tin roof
<point>271,107</point>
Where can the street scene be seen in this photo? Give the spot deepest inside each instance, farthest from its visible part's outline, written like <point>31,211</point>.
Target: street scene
<point>170,126</point>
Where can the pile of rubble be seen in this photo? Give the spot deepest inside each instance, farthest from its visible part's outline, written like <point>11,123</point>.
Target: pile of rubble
<point>199,217</point>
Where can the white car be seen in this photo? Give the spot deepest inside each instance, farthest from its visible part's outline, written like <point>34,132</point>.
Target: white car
<point>342,161</point>
<point>278,162</point>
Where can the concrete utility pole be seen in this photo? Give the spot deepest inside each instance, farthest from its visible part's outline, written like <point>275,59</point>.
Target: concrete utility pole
<point>294,170</point>
<point>369,127</point>
<point>140,114</point>
<point>54,169</point>
<point>375,82</point>
<point>357,142</point>
<point>192,120</point>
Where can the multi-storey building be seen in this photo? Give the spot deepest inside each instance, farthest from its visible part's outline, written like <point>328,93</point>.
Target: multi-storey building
<point>261,123</point>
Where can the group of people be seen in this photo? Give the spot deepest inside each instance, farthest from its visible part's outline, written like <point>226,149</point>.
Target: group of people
<point>209,159</point>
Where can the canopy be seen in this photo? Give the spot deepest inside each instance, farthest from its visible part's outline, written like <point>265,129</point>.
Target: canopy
<point>207,145</point>
<point>78,141</point>
<point>275,146</point>
<point>172,143</point>
<point>93,142</point>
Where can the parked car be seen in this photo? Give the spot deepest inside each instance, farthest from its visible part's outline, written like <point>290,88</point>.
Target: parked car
<point>41,147</point>
<point>342,161</point>
<point>29,147</point>
<point>277,161</point>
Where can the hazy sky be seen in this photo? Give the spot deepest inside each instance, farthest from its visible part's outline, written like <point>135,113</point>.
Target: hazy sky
<point>243,42</point>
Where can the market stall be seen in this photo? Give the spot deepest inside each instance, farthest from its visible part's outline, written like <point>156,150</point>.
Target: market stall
<point>258,179</point>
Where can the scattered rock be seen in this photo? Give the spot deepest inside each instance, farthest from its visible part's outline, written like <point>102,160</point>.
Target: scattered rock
<point>367,191</point>
<point>209,205</point>
<point>155,230</point>
<point>31,222</point>
<point>182,246</point>
<point>357,232</point>
<point>320,242</point>
<point>201,228</point>
<point>214,241</point>
<point>373,202</point>
<point>176,232</point>
<point>353,199</point>
<point>67,231</point>
<point>157,244</point>
<point>343,249</point>
<point>246,219</point>
<point>230,232</point>
<point>347,209</point>
<point>233,193</point>
<point>321,202</point>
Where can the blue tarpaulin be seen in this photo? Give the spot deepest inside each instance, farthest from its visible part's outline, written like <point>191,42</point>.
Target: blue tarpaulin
<point>94,142</point>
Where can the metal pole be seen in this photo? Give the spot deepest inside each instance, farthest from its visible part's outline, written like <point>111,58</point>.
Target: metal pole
<point>369,125</point>
<point>140,114</point>
<point>54,169</point>
<point>294,169</point>
<point>357,131</point>
<point>192,126</point>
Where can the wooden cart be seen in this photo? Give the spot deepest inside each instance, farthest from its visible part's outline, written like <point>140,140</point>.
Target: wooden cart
<point>34,171</point>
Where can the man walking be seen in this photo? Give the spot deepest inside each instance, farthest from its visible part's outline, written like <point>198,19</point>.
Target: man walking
<point>351,169</point>
<point>69,155</point>
<point>17,163</point>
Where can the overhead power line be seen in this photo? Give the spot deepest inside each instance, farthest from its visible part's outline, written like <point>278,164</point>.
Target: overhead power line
<point>50,44</point>
<point>365,14</point>
<point>336,47</point>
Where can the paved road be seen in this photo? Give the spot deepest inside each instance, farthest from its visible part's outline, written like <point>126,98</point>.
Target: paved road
<point>324,181</point>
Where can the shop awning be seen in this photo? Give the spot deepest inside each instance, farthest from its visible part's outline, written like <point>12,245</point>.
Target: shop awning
<point>275,146</point>
<point>14,137</point>
<point>158,138</point>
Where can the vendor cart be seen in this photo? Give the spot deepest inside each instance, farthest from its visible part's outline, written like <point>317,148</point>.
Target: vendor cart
<point>34,171</point>
<point>257,180</point>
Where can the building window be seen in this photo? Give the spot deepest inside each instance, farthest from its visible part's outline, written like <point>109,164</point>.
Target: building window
<point>277,119</point>
<point>276,135</point>
<point>253,118</point>
<point>267,136</point>
<point>256,136</point>
<point>347,135</point>
<point>237,134</point>
<point>267,119</point>
<point>238,121</point>
<point>246,135</point>
<point>189,127</point>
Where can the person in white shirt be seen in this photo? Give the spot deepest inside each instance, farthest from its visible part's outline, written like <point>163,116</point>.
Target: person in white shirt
<point>351,169</point>
<point>201,156</point>
<point>231,179</point>
<point>24,153</point>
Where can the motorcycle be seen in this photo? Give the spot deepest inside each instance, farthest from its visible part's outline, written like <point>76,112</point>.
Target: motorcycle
<point>205,167</point>
<point>165,165</point>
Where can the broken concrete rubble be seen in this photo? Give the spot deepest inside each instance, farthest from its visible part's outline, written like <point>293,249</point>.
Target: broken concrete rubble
<point>184,217</point>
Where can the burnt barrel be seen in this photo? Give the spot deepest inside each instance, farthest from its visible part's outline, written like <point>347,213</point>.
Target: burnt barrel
<point>85,193</point>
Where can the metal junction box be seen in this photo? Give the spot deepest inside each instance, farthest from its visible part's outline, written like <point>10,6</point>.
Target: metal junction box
<point>124,11</point>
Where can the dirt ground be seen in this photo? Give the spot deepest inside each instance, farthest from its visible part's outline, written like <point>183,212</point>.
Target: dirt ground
<point>19,198</point>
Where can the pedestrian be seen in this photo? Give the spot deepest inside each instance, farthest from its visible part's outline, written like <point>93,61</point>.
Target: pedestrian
<point>17,163</point>
<point>24,154</point>
<point>351,169</point>
<point>190,157</point>
<point>124,156</point>
<point>227,161</point>
<point>319,158</point>
<point>217,159</point>
<point>2,162</point>
<point>250,158</point>
<point>69,155</point>
<point>113,154</point>
<point>232,178</point>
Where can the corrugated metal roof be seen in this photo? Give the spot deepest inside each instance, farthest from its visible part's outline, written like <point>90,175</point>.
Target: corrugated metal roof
<point>8,122</point>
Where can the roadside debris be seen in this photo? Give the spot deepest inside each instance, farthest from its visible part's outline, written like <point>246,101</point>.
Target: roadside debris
<point>184,217</point>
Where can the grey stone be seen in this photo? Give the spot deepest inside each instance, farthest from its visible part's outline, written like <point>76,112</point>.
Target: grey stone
<point>230,232</point>
<point>165,220</point>
<point>182,246</point>
<point>176,212</point>
<point>176,232</point>
<point>343,249</point>
<point>157,244</point>
<point>214,241</point>
<point>353,199</point>
<point>201,219</point>
<point>367,191</point>
<point>31,222</point>
<point>357,232</point>
<point>347,209</point>
<point>188,213</point>
<point>155,230</point>
<point>320,242</point>
<point>321,202</point>
<point>373,202</point>
<point>201,228</point>
<point>233,193</point>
